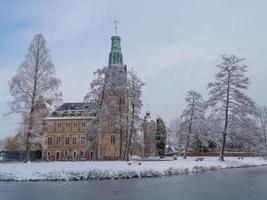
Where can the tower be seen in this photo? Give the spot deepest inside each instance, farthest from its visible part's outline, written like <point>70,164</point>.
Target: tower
<point>113,121</point>
<point>149,128</point>
<point>115,55</point>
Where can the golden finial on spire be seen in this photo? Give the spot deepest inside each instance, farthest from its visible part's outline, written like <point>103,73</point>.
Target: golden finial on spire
<point>116,28</point>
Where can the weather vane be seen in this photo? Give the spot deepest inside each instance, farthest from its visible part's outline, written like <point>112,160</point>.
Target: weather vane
<point>116,28</point>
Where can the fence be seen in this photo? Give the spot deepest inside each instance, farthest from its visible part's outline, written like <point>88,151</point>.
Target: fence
<point>18,155</point>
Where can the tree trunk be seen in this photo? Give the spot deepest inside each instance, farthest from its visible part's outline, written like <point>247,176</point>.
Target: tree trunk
<point>221,157</point>
<point>263,125</point>
<point>189,130</point>
<point>29,132</point>
<point>28,143</point>
<point>187,142</point>
<point>131,133</point>
<point>121,130</point>
<point>126,154</point>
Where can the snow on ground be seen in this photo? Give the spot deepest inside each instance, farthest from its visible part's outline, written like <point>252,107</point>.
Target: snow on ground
<point>90,170</point>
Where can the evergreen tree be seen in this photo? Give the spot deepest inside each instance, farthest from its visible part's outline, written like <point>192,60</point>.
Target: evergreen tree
<point>161,135</point>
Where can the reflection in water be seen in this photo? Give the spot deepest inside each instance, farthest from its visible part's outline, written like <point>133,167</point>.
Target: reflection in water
<point>234,184</point>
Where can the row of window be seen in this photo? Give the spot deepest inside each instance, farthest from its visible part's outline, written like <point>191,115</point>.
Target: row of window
<point>69,155</point>
<point>73,140</point>
<point>66,126</point>
<point>68,140</point>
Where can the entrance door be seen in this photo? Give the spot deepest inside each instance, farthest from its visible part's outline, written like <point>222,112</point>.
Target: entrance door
<point>91,155</point>
<point>74,155</point>
<point>57,156</point>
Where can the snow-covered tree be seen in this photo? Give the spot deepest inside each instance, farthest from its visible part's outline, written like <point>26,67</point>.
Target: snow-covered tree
<point>11,143</point>
<point>161,135</point>
<point>192,117</point>
<point>35,79</point>
<point>262,116</point>
<point>2,144</point>
<point>227,97</point>
<point>116,95</point>
<point>115,104</point>
<point>174,137</point>
<point>108,94</point>
<point>135,104</point>
<point>96,89</point>
<point>95,98</point>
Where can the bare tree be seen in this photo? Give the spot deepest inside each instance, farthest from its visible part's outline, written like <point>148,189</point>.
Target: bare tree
<point>97,87</point>
<point>175,137</point>
<point>35,79</point>
<point>135,104</point>
<point>108,92</point>
<point>95,98</point>
<point>192,115</point>
<point>262,115</point>
<point>226,94</point>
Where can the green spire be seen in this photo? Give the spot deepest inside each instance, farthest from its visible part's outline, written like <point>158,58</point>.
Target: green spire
<point>115,55</point>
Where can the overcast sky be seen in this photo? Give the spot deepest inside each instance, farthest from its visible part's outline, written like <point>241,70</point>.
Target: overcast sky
<point>173,45</point>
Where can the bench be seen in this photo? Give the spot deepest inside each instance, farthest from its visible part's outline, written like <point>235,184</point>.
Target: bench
<point>199,159</point>
<point>130,163</point>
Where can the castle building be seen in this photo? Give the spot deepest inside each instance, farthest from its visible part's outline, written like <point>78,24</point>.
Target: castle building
<point>112,138</point>
<point>67,137</point>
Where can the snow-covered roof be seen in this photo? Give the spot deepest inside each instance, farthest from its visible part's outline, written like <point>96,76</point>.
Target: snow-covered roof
<point>73,111</point>
<point>50,107</point>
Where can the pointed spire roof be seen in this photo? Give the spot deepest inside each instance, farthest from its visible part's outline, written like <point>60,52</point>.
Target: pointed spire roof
<point>115,55</point>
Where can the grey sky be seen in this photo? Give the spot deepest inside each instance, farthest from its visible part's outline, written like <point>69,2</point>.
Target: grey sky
<point>173,45</point>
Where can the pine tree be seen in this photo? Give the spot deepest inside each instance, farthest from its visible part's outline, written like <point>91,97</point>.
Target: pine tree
<point>161,135</point>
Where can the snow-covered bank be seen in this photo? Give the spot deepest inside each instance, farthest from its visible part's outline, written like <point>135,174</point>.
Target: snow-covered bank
<point>88,170</point>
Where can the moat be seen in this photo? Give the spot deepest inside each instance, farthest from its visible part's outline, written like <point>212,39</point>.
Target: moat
<point>230,184</point>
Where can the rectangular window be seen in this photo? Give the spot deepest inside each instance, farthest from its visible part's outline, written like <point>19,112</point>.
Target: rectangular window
<point>68,126</point>
<point>63,126</point>
<point>49,141</point>
<point>112,139</point>
<point>58,140</point>
<point>74,140</point>
<point>82,140</point>
<point>50,127</point>
<point>83,126</point>
<point>67,140</point>
<point>79,126</point>
<point>71,126</point>
<point>66,153</point>
<point>54,127</point>
<point>59,127</point>
<point>111,125</point>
